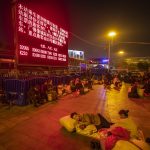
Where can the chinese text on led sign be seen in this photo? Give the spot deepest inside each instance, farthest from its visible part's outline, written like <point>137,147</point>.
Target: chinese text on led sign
<point>52,38</point>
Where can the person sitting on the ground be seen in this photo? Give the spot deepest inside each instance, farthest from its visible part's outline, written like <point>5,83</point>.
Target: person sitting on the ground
<point>90,84</point>
<point>86,119</point>
<point>31,95</point>
<point>49,84</point>
<point>147,88</point>
<point>116,83</point>
<point>85,83</point>
<point>44,91</point>
<point>67,88</point>
<point>107,84</point>
<point>127,123</point>
<point>61,89</point>
<point>36,95</point>
<point>52,90</point>
<point>72,86</point>
<point>134,92</point>
<point>79,87</point>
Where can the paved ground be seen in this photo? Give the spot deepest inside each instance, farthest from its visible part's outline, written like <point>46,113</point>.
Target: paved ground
<point>29,128</point>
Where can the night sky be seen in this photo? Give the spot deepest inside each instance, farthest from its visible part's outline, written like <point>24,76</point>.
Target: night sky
<point>91,20</point>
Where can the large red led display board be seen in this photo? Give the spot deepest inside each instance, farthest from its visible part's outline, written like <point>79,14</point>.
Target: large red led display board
<point>39,41</point>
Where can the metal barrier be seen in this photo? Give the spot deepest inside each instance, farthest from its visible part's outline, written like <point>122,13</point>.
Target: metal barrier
<point>21,86</point>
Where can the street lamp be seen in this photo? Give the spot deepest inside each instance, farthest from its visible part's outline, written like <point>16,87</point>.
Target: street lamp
<point>111,34</point>
<point>121,52</point>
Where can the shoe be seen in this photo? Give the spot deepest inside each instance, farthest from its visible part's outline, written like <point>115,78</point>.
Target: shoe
<point>111,123</point>
<point>148,140</point>
<point>92,145</point>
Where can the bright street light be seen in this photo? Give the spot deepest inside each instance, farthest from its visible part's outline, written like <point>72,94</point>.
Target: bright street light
<point>121,52</point>
<point>112,34</point>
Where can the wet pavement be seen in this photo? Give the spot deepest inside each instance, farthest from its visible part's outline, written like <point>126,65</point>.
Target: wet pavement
<point>30,128</point>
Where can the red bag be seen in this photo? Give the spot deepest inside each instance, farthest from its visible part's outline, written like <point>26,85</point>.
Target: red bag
<point>117,133</point>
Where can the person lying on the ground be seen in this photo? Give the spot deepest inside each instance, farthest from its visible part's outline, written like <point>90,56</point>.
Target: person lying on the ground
<point>141,144</point>
<point>86,119</point>
<point>118,138</point>
<point>109,137</point>
<point>131,145</point>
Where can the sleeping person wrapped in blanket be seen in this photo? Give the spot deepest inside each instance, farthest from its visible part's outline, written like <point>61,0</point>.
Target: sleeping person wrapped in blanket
<point>83,120</point>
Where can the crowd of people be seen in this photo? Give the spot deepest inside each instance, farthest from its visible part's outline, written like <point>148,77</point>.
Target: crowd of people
<point>48,92</point>
<point>41,93</point>
<point>140,82</point>
<point>137,82</point>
